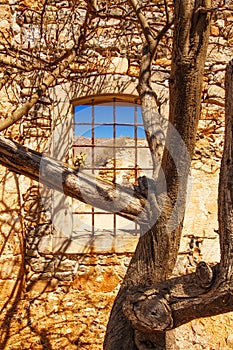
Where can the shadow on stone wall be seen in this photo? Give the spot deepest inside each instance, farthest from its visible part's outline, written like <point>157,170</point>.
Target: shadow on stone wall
<point>12,281</point>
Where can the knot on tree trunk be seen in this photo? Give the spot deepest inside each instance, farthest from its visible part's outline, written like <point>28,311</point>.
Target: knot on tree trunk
<point>204,275</point>
<point>155,309</point>
<point>148,311</point>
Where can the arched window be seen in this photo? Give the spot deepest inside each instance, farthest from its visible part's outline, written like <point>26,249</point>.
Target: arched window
<point>109,130</point>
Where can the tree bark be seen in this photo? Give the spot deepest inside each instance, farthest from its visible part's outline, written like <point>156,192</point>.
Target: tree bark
<point>208,291</point>
<point>225,208</point>
<point>157,249</point>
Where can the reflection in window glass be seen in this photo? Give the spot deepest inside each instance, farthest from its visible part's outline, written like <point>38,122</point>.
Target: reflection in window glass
<point>140,121</point>
<point>125,115</point>
<point>83,130</point>
<point>104,131</point>
<point>125,131</point>
<point>104,221</point>
<point>103,114</point>
<point>113,138</point>
<point>82,224</point>
<point>83,114</point>
<point>141,133</point>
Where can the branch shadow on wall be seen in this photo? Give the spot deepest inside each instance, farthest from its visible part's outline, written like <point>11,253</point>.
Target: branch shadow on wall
<point>11,252</point>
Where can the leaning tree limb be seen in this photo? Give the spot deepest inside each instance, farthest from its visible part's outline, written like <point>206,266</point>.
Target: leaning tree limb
<point>81,185</point>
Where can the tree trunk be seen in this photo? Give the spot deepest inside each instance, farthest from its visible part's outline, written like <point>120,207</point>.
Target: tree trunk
<point>157,249</point>
<point>208,291</point>
<point>225,209</point>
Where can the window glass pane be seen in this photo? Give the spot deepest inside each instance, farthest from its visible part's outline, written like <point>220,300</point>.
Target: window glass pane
<point>140,121</point>
<point>83,114</point>
<point>88,155</point>
<point>125,225</point>
<point>126,153</point>
<point>125,114</point>
<point>101,211</point>
<point>81,207</point>
<point>103,222</point>
<point>147,173</point>
<point>83,130</point>
<point>81,141</point>
<point>144,158</point>
<point>82,224</point>
<point>141,132</point>
<point>103,114</point>
<point>104,131</point>
<point>125,131</point>
<point>103,155</point>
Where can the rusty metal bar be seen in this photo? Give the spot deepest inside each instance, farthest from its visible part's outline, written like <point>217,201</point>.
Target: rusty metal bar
<point>106,146</point>
<point>114,158</point>
<point>117,168</point>
<point>108,124</point>
<point>93,160</point>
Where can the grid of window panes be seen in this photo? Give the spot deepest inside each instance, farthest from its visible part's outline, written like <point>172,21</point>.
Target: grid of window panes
<point>112,136</point>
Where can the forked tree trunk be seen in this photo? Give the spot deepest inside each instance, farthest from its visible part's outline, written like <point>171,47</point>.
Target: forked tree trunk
<point>156,252</point>
<point>208,291</point>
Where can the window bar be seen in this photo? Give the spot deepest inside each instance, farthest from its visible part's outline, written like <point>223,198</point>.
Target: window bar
<point>136,152</point>
<point>136,141</point>
<point>93,161</point>
<point>114,158</point>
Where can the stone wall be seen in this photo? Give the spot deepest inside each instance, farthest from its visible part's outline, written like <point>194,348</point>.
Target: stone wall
<point>52,298</point>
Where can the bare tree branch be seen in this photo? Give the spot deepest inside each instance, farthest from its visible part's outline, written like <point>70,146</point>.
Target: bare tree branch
<point>144,25</point>
<point>11,62</point>
<point>5,79</point>
<point>49,80</point>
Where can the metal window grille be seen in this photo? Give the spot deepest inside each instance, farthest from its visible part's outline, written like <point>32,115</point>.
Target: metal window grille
<point>107,130</point>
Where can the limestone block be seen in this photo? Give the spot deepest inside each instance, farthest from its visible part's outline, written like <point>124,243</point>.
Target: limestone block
<point>9,289</point>
<point>216,95</point>
<point>118,65</point>
<point>10,266</point>
<point>216,91</point>
<point>134,70</point>
<point>10,242</point>
<point>66,265</point>
<point>42,286</point>
<point>210,249</point>
<point>214,30</point>
<point>64,276</point>
<point>42,265</point>
<point>45,245</point>
<point>230,341</point>
<point>220,23</point>
<point>164,62</point>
